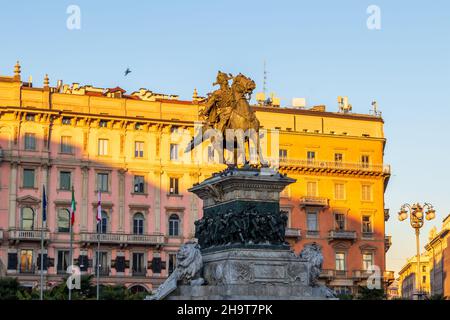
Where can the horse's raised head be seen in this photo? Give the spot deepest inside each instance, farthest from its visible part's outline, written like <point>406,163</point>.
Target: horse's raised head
<point>243,84</point>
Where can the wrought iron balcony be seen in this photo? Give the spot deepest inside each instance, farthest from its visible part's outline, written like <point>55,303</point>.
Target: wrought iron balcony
<point>293,233</point>
<point>341,235</point>
<point>120,238</point>
<point>28,235</point>
<point>314,201</point>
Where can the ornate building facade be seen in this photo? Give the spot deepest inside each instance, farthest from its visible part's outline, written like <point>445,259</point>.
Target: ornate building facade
<point>438,249</point>
<point>123,145</point>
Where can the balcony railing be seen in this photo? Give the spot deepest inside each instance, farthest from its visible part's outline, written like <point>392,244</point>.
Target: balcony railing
<point>120,238</point>
<point>330,274</point>
<point>139,273</point>
<point>362,274</point>
<point>314,201</point>
<point>342,235</point>
<point>334,165</point>
<point>387,243</point>
<point>293,233</point>
<point>27,235</point>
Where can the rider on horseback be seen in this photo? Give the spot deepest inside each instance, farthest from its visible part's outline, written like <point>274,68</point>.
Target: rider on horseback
<point>219,106</point>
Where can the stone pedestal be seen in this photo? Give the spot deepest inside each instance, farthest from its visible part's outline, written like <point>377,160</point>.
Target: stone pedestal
<point>242,241</point>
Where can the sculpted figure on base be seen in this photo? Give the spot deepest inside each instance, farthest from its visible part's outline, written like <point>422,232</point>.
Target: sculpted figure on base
<point>187,271</point>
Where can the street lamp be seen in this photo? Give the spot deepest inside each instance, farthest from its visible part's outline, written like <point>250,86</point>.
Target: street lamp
<point>416,214</point>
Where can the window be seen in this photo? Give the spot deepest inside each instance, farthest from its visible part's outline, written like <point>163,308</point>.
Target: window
<point>138,263</point>
<point>102,182</point>
<point>365,161</point>
<point>311,156</point>
<point>66,144</point>
<point>367,224</point>
<point>63,220</point>
<point>138,149</point>
<point>339,191</point>
<point>27,218</point>
<point>283,154</point>
<point>366,192</point>
<point>30,117</point>
<point>138,223</point>
<point>424,269</point>
<point>172,262</point>
<point>102,226</point>
<point>424,279</point>
<point>312,222</point>
<point>339,219</point>
<point>174,225</point>
<point>65,180</point>
<point>173,151</point>
<point>338,159</point>
<point>103,123</point>
<point>138,126</point>
<point>174,186</point>
<point>26,261</point>
<point>311,188</point>
<point>30,141</point>
<point>28,178</point>
<point>340,261</point>
<point>367,261</point>
<point>139,184</point>
<point>103,147</point>
<point>63,261</point>
<point>66,121</point>
<point>102,259</point>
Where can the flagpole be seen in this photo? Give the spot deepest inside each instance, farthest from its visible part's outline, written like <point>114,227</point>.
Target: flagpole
<point>44,219</point>
<point>71,240</point>
<point>98,260</point>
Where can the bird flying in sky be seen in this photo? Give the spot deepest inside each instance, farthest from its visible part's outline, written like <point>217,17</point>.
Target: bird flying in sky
<point>128,71</point>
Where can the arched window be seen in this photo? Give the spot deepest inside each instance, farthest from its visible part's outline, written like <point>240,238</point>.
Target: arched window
<point>138,223</point>
<point>102,226</point>
<point>174,225</point>
<point>63,220</point>
<point>27,218</point>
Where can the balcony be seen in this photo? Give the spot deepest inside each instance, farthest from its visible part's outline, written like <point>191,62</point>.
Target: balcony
<point>334,166</point>
<point>341,235</point>
<point>362,274</point>
<point>314,201</point>
<point>388,277</point>
<point>123,239</point>
<point>387,243</point>
<point>28,235</point>
<point>293,233</point>
<point>330,274</point>
<point>139,273</point>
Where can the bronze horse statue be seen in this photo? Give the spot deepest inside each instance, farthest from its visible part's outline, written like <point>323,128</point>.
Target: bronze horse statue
<point>228,108</point>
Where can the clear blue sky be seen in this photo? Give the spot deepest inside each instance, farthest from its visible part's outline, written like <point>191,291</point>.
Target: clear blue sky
<point>313,49</point>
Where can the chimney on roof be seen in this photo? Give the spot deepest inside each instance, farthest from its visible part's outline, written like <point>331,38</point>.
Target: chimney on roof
<point>46,81</point>
<point>17,71</point>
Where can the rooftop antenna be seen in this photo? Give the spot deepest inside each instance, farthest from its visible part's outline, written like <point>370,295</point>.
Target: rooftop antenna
<point>265,78</point>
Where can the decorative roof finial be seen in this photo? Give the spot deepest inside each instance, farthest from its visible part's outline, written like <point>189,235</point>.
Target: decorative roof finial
<point>195,94</point>
<point>17,70</point>
<point>46,81</point>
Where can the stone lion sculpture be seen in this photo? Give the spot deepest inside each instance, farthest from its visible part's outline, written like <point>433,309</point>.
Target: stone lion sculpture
<point>313,254</point>
<point>187,271</point>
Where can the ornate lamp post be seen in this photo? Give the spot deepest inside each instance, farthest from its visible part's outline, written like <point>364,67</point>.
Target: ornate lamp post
<point>416,214</point>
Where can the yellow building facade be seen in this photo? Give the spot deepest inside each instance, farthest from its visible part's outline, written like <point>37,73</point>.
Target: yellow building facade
<point>103,139</point>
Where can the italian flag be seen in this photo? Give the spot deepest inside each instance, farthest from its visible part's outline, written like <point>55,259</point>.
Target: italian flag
<point>72,208</point>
